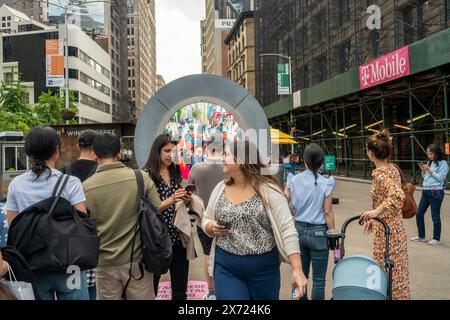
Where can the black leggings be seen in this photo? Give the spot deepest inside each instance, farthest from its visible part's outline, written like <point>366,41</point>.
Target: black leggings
<point>179,272</point>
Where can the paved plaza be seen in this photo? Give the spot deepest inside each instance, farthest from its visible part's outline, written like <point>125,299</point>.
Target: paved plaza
<point>429,265</point>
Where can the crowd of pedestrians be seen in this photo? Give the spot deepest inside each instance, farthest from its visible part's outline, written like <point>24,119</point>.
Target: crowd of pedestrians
<point>249,224</point>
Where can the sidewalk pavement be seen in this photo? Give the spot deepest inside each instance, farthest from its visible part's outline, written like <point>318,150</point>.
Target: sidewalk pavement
<point>429,265</point>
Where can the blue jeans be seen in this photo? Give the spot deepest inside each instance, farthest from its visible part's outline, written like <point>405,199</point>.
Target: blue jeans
<point>53,285</point>
<point>433,199</point>
<point>92,291</point>
<point>251,277</point>
<point>314,250</point>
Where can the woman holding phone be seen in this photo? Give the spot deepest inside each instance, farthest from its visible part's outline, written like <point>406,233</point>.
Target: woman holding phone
<point>249,217</point>
<point>434,174</point>
<point>167,178</point>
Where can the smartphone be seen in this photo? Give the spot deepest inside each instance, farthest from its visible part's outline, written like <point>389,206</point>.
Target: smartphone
<point>190,188</point>
<point>227,225</point>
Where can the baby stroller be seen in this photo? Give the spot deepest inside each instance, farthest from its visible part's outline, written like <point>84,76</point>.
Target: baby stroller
<point>360,277</point>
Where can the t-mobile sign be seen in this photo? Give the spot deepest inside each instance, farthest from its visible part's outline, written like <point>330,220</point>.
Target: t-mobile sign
<point>386,68</point>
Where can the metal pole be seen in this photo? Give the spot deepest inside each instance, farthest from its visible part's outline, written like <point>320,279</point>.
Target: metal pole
<point>446,116</point>
<point>345,142</point>
<point>336,145</point>
<point>321,126</point>
<point>362,137</point>
<point>382,109</point>
<point>411,125</point>
<point>66,40</point>
<point>290,79</point>
<point>292,121</point>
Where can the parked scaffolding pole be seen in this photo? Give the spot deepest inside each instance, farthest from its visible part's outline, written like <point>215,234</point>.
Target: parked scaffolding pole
<point>363,147</point>
<point>411,125</point>
<point>345,142</point>
<point>382,109</point>
<point>446,117</point>
<point>321,127</point>
<point>336,145</point>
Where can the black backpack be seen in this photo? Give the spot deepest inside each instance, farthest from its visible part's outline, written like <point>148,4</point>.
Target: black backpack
<point>52,235</point>
<point>155,238</point>
<point>20,268</point>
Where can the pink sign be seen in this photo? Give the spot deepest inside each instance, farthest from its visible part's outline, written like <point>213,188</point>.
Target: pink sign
<point>196,290</point>
<point>389,67</point>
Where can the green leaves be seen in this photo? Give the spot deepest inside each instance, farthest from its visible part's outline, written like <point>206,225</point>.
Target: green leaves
<point>17,114</point>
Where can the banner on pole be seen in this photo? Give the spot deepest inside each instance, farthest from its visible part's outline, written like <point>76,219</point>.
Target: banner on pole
<point>283,79</point>
<point>54,63</point>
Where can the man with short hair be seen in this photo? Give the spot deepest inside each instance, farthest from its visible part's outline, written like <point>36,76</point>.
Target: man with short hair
<point>206,176</point>
<point>83,168</point>
<point>113,201</point>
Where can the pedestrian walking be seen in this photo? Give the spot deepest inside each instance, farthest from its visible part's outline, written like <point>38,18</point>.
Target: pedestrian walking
<point>311,196</point>
<point>82,168</point>
<point>205,176</point>
<point>248,215</point>
<point>42,146</point>
<point>388,198</point>
<point>167,178</point>
<point>434,174</point>
<point>113,201</point>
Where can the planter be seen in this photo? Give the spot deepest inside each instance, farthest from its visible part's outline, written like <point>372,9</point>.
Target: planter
<point>67,114</point>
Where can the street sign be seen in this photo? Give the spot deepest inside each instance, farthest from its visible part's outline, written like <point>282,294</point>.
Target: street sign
<point>329,163</point>
<point>283,79</point>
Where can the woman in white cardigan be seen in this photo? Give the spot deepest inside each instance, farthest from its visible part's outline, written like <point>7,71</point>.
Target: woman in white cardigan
<point>249,217</point>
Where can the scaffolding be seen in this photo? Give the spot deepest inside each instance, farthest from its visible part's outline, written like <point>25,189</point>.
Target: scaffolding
<point>415,110</point>
<point>328,37</point>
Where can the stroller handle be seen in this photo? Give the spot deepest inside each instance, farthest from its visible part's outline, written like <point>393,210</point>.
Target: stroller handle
<point>386,228</point>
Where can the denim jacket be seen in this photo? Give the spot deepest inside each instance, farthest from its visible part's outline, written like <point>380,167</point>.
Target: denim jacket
<point>435,179</point>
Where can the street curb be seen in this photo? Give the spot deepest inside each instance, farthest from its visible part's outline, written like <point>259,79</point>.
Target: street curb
<point>356,180</point>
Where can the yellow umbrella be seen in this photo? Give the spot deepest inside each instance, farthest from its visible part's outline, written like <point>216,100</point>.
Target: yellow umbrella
<point>284,141</point>
<point>277,134</point>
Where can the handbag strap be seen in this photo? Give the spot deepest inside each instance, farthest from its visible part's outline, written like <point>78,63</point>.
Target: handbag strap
<point>140,186</point>
<point>55,190</point>
<point>58,195</point>
<point>402,177</point>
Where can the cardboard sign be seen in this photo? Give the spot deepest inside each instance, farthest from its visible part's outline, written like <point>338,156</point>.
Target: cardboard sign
<point>196,290</point>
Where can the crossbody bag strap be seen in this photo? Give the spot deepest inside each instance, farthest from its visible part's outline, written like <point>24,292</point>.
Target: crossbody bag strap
<point>65,177</point>
<point>140,184</point>
<point>402,177</point>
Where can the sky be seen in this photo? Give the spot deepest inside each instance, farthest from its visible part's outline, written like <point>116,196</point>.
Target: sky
<point>178,51</point>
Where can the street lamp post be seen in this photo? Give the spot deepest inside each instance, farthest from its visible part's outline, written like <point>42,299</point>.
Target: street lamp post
<point>290,79</point>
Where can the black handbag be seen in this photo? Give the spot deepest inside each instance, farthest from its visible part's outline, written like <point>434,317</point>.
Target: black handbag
<point>52,235</point>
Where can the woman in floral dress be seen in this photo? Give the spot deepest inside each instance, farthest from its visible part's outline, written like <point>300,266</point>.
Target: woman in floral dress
<point>388,197</point>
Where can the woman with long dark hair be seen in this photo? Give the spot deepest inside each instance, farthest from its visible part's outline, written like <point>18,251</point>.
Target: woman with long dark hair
<point>167,178</point>
<point>42,146</point>
<point>248,215</point>
<point>387,198</point>
<point>434,174</point>
<point>311,196</point>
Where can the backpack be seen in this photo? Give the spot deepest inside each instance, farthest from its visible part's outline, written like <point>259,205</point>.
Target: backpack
<point>21,269</point>
<point>52,235</point>
<point>155,239</point>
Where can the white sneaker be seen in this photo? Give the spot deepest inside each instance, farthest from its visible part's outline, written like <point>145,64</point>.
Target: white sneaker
<point>418,239</point>
<point>209,297</point>
<point>434,242</point>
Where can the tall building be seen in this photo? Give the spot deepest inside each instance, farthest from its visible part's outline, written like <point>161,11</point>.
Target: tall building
<point>241,51</point>
<point>35,10</point>
<point>141,41</point>
<point>160,82</point>
<point>220,17</point>
<point>352,77</point>
<point>115,41</point>
<point>89,68</point>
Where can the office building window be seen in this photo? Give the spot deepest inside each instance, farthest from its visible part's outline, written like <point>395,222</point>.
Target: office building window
<point>94,103</point>
<point>94,84</point>
<point>94,64</point>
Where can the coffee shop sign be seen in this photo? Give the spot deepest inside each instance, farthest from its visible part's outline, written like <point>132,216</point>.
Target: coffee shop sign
<point>389,67</point>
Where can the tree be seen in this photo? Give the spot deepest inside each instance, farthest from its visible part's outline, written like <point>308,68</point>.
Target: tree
<point>50,105</point>
<point>16,114</point>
